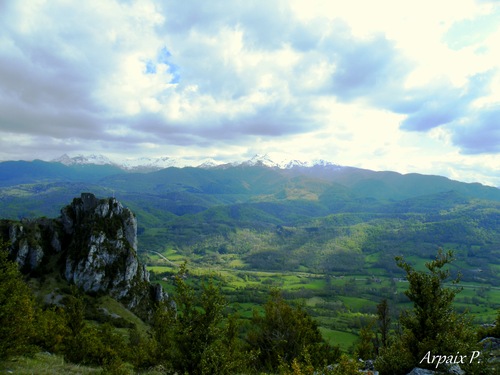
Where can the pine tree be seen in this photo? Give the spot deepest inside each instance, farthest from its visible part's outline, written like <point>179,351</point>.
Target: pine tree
<point>384,323</point>
<point>286,333</point>
<point>197,337</point>
<point>432,325</point>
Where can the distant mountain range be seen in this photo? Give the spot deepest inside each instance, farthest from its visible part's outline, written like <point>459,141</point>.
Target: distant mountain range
<point>144,164</point>
<point>250,177</point>
<point>273,215</point>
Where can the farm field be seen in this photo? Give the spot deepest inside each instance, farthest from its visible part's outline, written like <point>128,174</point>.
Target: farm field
<point>340,303</point>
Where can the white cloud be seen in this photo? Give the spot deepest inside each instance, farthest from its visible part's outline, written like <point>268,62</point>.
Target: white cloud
<point>341,81</point>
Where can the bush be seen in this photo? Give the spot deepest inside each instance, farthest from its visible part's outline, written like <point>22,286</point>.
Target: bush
<point>432,325</point>
<point>197,337</point>
<point>284,334</point>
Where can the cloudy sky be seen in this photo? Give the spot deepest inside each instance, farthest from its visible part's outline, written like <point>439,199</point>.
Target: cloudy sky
<point>409,86</point>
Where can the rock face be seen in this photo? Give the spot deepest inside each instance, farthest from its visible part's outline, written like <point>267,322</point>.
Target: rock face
<point>95,242</point>
<point>102,256</point>
<point>30,240</point>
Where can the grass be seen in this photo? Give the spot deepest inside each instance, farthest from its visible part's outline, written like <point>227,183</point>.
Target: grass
<point>115,307</point>
<point>355,303</point>
<point>44,364</point>
<point>345,340</point>
<point>50,364</point>
<point>340,303</point>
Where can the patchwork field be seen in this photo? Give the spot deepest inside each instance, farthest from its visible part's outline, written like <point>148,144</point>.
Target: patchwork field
<point>341,304</point>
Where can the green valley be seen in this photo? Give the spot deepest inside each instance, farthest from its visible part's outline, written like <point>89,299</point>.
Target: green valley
<point>325,237</point>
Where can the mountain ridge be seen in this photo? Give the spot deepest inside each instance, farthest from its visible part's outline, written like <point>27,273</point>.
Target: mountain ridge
<point>105,166</point>
<point>145,164</point>
<point>297,216</point>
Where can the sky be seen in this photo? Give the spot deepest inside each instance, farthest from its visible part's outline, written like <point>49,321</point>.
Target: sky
<point>407,86</point>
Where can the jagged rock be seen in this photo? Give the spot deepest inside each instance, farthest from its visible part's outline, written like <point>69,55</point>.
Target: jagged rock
<point>490,343</point>
<point>421,371</point>
<point>26,243</point>
<point>106,312</point>
<point>54,298</point>
<point>55,242</point>
<point>158,293</point>
<point>368,365</point>
<point>22,251</point>
<point>455,369</point>
<point>95,240</point>
<point>103,250</point>
<point>14,231</point>
<point>35,256</point>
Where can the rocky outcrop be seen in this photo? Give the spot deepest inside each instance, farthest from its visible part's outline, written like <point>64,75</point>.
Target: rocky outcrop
<point>95,244</point>
<point>30,240</point>
<point>102,256</point>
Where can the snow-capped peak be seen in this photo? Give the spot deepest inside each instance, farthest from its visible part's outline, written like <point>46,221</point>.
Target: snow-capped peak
<point>82,160</point>
<point>285,163</point>
<point>209,163</point>
<point>263,160</point>
<point>149,164</point>
<point>295,163</point>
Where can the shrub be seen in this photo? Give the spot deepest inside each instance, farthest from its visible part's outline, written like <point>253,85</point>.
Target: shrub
<point>284,334</point>
<point>17,309</point>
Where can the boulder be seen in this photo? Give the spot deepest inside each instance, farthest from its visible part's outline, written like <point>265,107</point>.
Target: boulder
<point>421,371</point>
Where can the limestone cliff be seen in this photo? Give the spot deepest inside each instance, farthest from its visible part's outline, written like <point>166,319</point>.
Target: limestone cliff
<point>93,244</point>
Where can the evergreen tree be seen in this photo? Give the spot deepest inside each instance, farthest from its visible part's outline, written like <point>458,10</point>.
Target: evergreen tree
<point>196,337</point>
<point>17,309</point>
<point>365,348</point>
<point>432,325</point>
<point>384,323</point>
<point>286,333</point>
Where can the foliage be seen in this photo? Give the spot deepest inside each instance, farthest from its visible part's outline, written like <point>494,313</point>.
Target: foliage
<point>87,344</point>
<point>51,329</point>
<point>17,309</point>
<point>141,348</point>
<point>365,348</point>
<point>384,324</point>
<point>45,363</point>
<point>196,337</point>
<point>286,333</point>
<point>432,325</point>
<point>345,366</point>
<point>493,331</point>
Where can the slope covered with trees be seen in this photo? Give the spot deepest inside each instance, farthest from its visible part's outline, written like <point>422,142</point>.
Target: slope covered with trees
<point>326,237</point>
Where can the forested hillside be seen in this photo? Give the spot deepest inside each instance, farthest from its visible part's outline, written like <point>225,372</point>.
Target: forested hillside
<point>297,277</point>
<point>319,219</point>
